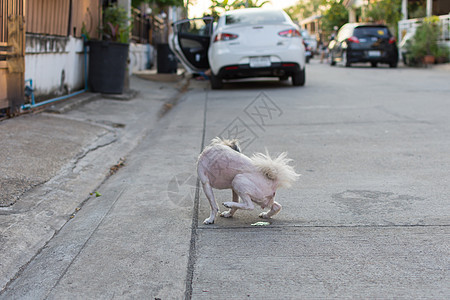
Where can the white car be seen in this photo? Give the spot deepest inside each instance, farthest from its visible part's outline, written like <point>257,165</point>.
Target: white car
<point>252,42</point>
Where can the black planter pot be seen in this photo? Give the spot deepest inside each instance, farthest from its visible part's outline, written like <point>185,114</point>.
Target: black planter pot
<point>107,66</point>
<point>166,61</point>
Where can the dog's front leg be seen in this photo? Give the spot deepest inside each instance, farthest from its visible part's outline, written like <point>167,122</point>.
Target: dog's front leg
<point>276,207</point>
<point>230,213</point>
<point>212,202</point>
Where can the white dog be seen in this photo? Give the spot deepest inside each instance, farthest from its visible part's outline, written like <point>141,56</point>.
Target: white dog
<point>255,179</point>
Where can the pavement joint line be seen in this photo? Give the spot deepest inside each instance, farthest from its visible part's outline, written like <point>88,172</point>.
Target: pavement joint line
<point>424,122</point>
<point>194,227</point>
<point>318,226</point>
<point>84,244</point>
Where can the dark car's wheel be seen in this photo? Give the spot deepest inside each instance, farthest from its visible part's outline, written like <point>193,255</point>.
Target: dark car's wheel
<point>393,64</point>
<point>298,78</point>
<point>373,64</point>
<point>216,82</point>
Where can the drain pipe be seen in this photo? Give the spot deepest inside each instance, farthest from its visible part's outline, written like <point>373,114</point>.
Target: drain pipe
<point>33,104</point>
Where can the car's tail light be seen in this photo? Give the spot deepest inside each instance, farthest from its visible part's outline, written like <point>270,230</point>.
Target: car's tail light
<point>225,37</point>
<point>289,33</point>
<point>392,40</point>
<point>353,39</point>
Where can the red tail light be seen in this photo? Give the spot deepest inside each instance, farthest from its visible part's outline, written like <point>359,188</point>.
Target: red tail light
<point>289,33</point>
<point>225,37</point>
<point>353,39</point>
<point>392,40</point>
<point>231,68</point>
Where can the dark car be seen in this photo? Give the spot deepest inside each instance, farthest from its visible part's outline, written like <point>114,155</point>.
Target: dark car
<point>358,42</point>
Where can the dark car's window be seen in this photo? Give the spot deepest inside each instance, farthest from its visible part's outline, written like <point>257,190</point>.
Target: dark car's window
<point>371,31</point>
<point>199,27</point>
<point>255,17</point>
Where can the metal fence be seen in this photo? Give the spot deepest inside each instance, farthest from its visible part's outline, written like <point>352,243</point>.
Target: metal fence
<point>141,27</point>
<point>409,27</point>
<point>147,29</point>
<point>63,17</point>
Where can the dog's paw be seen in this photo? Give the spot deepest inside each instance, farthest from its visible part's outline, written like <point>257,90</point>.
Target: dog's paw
<point>228,204</point>
<point>208,221</point>
<point>226,214</point>
<point>264,215</point>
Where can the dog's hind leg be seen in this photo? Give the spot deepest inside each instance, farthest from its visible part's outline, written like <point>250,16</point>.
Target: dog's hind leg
<point>240,186</point>
<point>276,207</point>
<point>230,213</point>
<point>212,202</point>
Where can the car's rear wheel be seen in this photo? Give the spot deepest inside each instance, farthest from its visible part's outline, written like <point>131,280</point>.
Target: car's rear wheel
<point>373,64</point>
<point>393,64</point>
<point>298,78</point>
<point>216,82</point>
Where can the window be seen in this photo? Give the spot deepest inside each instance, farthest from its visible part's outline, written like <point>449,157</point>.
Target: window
<point>366,31</point>
<point>255,17</point>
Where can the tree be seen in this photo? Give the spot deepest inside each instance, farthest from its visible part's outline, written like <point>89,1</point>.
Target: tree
<point>248,3</point>
<point>220,6</point>
<point>385,11</point>
<point>335,16</point>
<point>305,8</point>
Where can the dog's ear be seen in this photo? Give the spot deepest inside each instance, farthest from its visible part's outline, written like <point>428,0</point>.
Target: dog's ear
<point>234,144</point>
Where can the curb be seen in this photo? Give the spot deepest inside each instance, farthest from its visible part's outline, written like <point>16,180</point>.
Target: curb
<point>72,103</point>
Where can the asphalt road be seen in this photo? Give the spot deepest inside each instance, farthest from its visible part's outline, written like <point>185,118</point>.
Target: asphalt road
<point>368,218</point>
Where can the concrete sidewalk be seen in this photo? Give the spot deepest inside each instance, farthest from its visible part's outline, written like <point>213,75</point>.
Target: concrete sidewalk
<point>52,161</point>
<point>342,233</point>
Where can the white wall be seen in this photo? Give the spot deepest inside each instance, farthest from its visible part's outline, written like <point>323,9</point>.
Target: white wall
<point>56,64</point>
<point>47,58</point>
<point>141,57</point>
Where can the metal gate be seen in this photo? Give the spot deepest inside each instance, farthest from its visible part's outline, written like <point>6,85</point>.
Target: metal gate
<point>12,54</point>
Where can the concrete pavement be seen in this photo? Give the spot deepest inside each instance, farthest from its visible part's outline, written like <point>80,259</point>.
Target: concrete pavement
<point>51,163</point>
<point>143,238</point>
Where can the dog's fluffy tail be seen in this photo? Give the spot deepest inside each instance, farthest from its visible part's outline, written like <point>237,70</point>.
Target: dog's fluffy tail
<point>277,169</point>
<point>233,144</point>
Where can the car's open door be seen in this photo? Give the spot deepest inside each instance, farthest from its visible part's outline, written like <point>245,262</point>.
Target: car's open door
<point>190,42</point>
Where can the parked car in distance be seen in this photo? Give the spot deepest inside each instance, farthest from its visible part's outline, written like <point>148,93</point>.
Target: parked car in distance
<point>359,42</point>
<point>310,45</point>
<point>310,40</point>
<point>245,43</point>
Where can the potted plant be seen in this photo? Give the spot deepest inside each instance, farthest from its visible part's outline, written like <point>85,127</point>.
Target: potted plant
<point>424,47</point>
<point>108,56</point>
<point>442,54</point>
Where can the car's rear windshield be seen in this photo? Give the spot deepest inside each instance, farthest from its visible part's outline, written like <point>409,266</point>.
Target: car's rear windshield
<point>255,17</point>
<point>373,31</point>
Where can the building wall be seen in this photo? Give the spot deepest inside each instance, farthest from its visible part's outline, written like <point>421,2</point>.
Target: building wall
<point>141,57</point>
<point>54,56</point>
<point>56,64</point>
